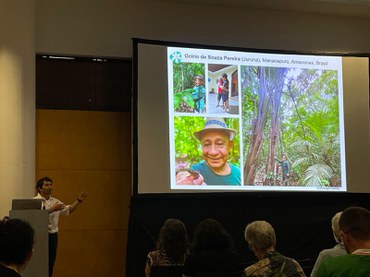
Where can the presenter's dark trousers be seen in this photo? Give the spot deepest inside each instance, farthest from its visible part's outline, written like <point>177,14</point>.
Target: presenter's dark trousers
<point>53,244</point>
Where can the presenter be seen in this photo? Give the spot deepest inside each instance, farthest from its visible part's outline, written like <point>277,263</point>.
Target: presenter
<point>217,140</point>
<point>56,208</point>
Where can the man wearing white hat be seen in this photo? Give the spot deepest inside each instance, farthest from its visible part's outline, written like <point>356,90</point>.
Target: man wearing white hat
<point>217,140</point>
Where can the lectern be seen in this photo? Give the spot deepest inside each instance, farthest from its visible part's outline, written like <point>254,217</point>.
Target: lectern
<point>39,220</point>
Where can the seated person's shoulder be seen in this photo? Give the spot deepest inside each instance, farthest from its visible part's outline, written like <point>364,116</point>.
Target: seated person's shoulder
<point>261,268</point>
<point>157,258</point>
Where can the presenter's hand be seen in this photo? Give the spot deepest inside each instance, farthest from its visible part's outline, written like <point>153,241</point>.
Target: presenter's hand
<point>57,207</point>
<point>81,197</point>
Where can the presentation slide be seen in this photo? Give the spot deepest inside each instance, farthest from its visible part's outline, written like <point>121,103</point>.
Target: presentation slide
<point>213,119</point>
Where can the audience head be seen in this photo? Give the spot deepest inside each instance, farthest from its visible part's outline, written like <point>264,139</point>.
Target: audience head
<point>335,226</point>
<point>260,236</point>
<point>210,234</point>
<point>173,239</point>
<point>354,224</point>
<point>16,243</point>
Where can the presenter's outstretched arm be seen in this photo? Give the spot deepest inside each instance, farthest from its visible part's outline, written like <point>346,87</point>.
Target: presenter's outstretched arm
<point>81,197</point>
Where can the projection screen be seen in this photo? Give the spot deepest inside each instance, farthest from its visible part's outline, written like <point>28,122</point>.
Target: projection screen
<point>217,119</point>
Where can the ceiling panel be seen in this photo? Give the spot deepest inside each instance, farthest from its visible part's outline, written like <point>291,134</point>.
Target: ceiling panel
<point>359,8</point>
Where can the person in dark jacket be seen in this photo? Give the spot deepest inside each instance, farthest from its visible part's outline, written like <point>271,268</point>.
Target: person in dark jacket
<point>212,250</point>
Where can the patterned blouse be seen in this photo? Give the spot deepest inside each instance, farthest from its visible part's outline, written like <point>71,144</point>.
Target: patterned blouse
<point>159,258</point>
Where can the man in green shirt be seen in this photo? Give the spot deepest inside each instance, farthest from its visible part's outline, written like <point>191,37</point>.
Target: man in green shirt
<point>354,224</point>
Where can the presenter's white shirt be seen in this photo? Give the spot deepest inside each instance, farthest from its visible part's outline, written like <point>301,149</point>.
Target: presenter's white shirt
<point>54,216</point>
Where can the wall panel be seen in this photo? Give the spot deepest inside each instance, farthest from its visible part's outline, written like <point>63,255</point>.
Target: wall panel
<point>90,151</point>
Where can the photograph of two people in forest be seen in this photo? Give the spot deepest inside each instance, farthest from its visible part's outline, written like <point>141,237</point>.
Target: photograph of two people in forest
<point>287,132</point>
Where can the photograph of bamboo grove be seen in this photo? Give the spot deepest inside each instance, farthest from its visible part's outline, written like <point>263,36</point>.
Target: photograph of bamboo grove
<point>289,125</point>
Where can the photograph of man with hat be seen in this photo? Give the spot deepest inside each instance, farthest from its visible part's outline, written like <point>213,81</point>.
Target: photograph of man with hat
<point>216,142</point>
<point>198,94</point>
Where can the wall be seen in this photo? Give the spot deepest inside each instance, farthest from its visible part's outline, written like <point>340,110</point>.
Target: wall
<point>17,105</point>
<point>105,27</point>
<point>88,151</point>
<point>76,149</point>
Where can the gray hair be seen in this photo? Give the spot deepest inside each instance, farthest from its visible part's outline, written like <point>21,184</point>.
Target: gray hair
<point>260,234</point>
<point>335,226</point>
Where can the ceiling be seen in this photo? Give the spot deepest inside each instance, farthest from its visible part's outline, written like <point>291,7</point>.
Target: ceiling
<point>358,8</point>
<point>216,67</point>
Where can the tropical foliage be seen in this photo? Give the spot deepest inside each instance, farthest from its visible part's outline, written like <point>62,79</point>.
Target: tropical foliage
<point>183,83</point>
<point>293,112</point>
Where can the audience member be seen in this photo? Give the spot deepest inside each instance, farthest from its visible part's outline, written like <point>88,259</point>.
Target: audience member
<point>337,250</point>
<point>261,238</point>
<point>212,250</point>
<point>354,224</point>
<point>56,208</point>
<point>16,246</point>
<point>172,246</point>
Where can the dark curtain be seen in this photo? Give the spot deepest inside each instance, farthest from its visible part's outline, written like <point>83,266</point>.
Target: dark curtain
<point>302,221</point>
